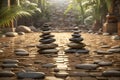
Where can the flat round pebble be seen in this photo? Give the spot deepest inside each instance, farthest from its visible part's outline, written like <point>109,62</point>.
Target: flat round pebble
<point>49,65</point>
<point>77,51</point>
<point>10,61</point>
<point>47,46</point>
<point>61,74</point>
<point>111,73</point>
<point>20,50</point>
<point>33,75</point>
<point>86,66</point>
<point>7,74</point>
<point>105,46</point>
<point>105,63</point>
<point>103,52</point>
<point>48,51</point>
<point>22,53</point>
<point>116,46</point>
<point>10,65</point>
<point>116,50</point>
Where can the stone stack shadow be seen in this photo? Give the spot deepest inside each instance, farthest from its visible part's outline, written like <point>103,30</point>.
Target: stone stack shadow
<point>47,45</point>
<point>76,45</point>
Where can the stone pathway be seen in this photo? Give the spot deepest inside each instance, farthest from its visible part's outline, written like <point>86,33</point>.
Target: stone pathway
<point>61,66</point>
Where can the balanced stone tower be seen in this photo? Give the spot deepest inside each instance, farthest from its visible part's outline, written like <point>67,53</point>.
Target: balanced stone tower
<point>76,45</point>
<point>47,45</point>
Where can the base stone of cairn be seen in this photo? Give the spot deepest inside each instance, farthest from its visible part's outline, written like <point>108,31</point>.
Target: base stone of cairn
<point>47,45</point>
<point>76,45</point>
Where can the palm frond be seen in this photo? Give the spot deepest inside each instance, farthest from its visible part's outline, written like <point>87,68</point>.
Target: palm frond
<point>11,13</point>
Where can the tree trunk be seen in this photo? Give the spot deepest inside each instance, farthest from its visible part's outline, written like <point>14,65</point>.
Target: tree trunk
<point>96,26</point>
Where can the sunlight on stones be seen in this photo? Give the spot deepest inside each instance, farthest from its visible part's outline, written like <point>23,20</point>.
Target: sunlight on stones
<point>46,45</point>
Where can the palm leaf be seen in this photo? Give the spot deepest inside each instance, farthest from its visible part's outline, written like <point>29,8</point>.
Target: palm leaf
<point>11,13</point>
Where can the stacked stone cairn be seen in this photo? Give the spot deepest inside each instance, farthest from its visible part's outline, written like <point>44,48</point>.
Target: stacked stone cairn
<point>76,45</point>
<point>47,45</point>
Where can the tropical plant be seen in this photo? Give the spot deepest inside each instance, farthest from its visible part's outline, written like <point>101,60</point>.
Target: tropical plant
<point>77,5</point>
<point>90,11</point>
<point>9,14</point>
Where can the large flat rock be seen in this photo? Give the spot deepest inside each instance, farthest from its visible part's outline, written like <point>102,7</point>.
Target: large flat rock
<point>86,66</point>
<point>111,73</point>
<point>32,75</point>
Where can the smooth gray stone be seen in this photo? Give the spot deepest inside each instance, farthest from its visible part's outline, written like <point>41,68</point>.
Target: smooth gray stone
<point>46,36</point>
<point>10,65</point>
<point>77,40</point>
<point>105,46</point>
<point>11,34</point>
<point>76,35</point>
<point>10,61</point>
<point>49,65</point>
<point>83,51</point>
<point>115,37</point>
<point>61,75</point>
<point>86,66</point>
<point>47,46</point>
<point>103,52</point>
<point>71,51</point>
<point>76,28</point>
<point>77,51</point>
<point>20,50</point>
<point>47,41</point>
<point>76,45</point>
<point>46,28</point>
<point>111,73</point>
<point>105,63</point>
<point>7,74</point>
<point>48,51</point>
<point>21,33</point>
<point>46,32</point>
<point>33,75</point>
<point>77,32</point>
<point>114,47</point>
<point>79,74</point>
<point>106,34</point>
<point>117,50</point>
<point>22,53</point>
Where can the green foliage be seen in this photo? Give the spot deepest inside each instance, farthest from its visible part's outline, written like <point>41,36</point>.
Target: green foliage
<point>45,10</point>
<point>89,10</point>
<point>10,13</point>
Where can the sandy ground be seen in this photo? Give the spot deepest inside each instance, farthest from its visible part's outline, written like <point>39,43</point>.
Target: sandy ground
<point>68,61</point>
